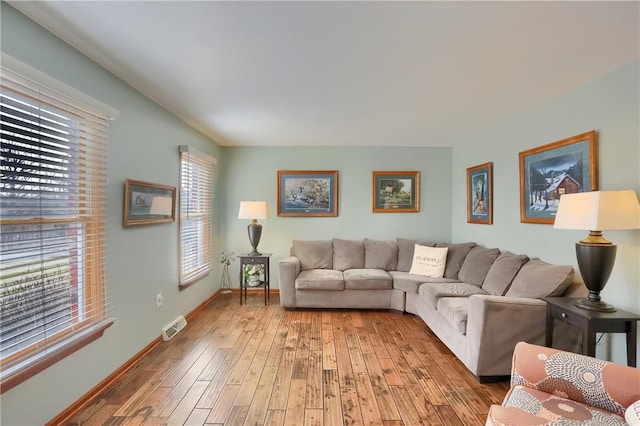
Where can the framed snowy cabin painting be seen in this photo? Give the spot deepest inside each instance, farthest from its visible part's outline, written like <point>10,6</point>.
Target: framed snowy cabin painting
<point>562,167</point>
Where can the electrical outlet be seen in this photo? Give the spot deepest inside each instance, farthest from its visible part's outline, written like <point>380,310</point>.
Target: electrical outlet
<point>159,300</point>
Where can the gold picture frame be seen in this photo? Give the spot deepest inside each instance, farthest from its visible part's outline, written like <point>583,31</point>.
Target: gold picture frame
<point>308,193</point>
<point>147,203</point>
<point>546,172</point>
<point>480,194</point>
<point>396,191</point>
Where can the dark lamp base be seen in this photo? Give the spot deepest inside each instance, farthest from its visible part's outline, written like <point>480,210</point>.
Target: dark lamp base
<point>255,232</point>
<point>591,305</point>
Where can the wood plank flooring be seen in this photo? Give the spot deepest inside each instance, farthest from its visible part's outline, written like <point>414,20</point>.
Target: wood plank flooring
<point>262,365</point>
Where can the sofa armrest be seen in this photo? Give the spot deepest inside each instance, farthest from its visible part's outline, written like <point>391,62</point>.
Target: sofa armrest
<point>495,324</point>
<point>288,270</point>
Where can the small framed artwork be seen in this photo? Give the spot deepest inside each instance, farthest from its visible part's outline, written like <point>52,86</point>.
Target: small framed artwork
<point>480,194</point>
<point>548,171</point>
<point>307,193</point>
<point>146,203</point>
<point>396,192</point>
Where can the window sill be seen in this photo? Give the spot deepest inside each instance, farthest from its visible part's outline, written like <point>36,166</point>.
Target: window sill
<point>193,280</point>
<point>16,374</point>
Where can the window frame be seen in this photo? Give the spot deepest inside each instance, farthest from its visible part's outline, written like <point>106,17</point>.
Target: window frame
<point>196,203</point>
<point>88,213</point>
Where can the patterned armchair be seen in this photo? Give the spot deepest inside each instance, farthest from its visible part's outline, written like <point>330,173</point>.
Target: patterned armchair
<point>553,387</point>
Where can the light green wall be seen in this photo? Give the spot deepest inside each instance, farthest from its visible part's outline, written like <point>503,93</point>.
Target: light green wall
<point>251,174</point>
<point>611,106</point>
<point>141,261</point>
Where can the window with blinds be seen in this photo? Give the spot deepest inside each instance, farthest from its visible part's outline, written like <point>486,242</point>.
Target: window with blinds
<point>196,194</point>
<point>53,164</point>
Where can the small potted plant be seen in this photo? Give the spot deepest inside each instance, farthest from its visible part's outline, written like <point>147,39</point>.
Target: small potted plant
<point>252,274</point>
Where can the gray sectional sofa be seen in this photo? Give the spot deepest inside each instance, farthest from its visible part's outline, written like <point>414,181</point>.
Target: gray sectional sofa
<point>484,302</point>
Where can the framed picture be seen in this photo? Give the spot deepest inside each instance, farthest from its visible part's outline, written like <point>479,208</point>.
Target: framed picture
<point>146,203</point>
<point>547,172</point>
<point>480,194</point>
<point>307,193</point>
<point>396,192</point>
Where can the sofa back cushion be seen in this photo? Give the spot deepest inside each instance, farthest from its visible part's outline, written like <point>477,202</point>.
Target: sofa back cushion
<point>502,272</point>
<point>348,254</point>
<point>537,279</point>
<point>476,265</point>
<point>429,261</point>
<point>313,254</point>
<point>455,257</point>
<point>405,253</point>
<point>380,254</point>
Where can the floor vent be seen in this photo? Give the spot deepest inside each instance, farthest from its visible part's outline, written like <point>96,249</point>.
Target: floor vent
<point>173,328</point>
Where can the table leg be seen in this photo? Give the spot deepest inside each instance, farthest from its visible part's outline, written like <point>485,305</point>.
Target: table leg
<point>267,296</point>
<point>589,340</point>
<point>549,333</point>
<point>240,283</point>
<point>632,339</point>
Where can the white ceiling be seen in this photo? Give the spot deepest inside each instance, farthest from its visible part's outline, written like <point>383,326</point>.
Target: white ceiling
<point>347,73</point>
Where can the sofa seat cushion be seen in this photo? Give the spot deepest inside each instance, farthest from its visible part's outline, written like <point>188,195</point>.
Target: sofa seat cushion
<point>432,292</point>
<point>411,282</point>
<point>320,279</point>
<point>367,279</point>
<point>455,310</point>
<point>524,405</point>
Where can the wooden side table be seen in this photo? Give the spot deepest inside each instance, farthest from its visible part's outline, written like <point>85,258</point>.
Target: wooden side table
<point>592,322</point>
<point>247,259</point>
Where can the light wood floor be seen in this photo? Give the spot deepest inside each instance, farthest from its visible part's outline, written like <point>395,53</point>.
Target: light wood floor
<point>262,365</point>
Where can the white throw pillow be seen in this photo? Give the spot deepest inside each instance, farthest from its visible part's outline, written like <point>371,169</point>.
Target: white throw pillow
<point>429,261</point>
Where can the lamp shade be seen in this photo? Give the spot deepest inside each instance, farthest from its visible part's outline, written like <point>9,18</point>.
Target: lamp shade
<point>253,210</point>
<point>598,210</point>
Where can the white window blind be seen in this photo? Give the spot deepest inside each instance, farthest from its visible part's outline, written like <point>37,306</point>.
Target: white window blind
<point>196,194</point>
<point>53,164</point>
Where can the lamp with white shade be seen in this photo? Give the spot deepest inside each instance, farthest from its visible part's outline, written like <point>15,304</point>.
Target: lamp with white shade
<point>254,210</point>
<point>595,212</point>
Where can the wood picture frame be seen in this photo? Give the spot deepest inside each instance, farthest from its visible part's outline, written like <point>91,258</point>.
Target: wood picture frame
<point>546,172</point>
<point>307,193</point>
<point>147,203</point>
<point>480,194</point>
<point>396,191</point>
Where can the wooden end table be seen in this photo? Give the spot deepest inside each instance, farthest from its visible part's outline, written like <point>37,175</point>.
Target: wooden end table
<point>592,322</point>
<point>261,259</point>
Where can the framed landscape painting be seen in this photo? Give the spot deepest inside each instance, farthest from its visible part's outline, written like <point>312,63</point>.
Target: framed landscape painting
<point>562,167</point>
<point>146,203</point>
<point>307,193</point>
<point>396,192</point>
<point>480,194</point>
